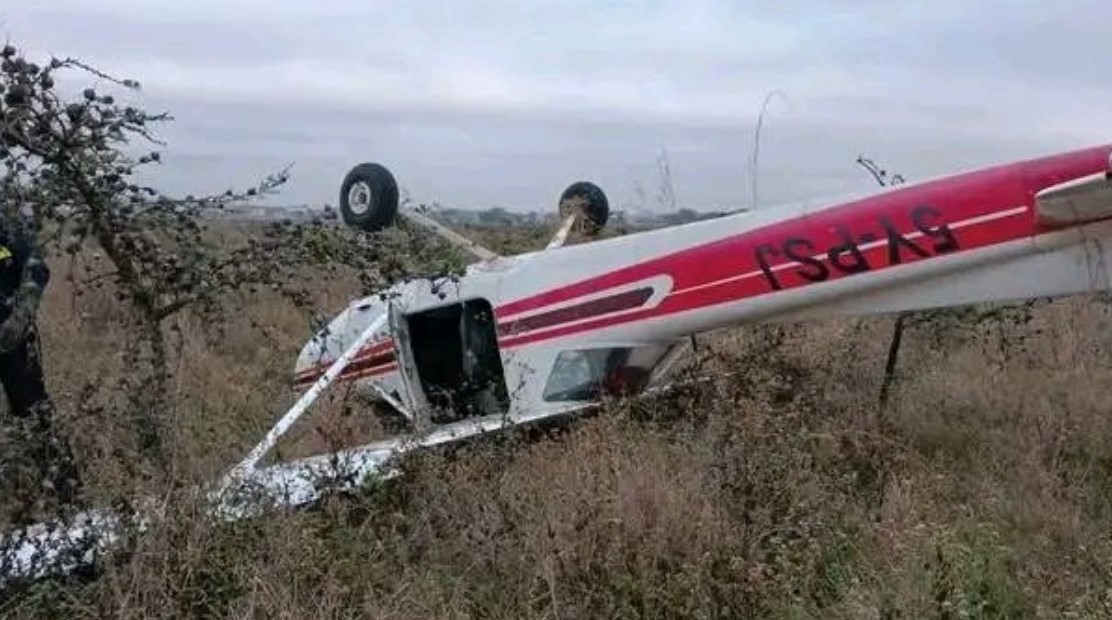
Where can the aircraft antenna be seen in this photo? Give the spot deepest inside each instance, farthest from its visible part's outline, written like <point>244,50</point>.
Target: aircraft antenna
<point>756,152</point>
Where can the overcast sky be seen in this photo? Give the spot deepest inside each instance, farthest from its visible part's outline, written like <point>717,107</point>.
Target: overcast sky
<point>505,102</point>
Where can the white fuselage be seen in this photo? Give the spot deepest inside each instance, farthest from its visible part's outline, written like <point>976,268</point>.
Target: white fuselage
<point>975,237</point>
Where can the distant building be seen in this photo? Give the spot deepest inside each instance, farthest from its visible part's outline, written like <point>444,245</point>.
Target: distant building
<point>262,213</point>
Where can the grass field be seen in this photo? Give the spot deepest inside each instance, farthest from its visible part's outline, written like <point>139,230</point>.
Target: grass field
<point>778,490</point>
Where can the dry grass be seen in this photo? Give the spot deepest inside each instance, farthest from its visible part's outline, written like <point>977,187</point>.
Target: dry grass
<point>778,492</point>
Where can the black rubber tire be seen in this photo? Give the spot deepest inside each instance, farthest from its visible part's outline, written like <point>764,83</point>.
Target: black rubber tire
<point>591,201</point>
<point>377,191</point>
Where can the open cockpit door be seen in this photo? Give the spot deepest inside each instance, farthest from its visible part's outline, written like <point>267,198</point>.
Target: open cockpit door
<point>413,395</point>
<point>457,360</point>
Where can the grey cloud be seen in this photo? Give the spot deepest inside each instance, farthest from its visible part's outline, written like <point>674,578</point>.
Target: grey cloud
<point>108,37</point>
<point>505,103</point>
<point>1052,44</point>
<point>475,160</point>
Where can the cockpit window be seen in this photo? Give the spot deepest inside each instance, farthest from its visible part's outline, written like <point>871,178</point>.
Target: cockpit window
<point>586,374</point>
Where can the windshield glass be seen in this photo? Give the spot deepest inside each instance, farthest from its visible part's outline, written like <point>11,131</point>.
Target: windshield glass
<point>587,374</point>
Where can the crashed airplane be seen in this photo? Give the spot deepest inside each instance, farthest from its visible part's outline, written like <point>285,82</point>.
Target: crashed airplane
<point>522,339</point>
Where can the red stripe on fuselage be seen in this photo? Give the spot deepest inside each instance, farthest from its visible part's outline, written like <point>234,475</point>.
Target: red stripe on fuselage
<point>351,372</point>
<point>372,350</point>
<point>619,302</point>
<point>709,275</point>
<point>957,214</point>
<point>755,281</point>
<point>980,193</point>
<point>605,305</point>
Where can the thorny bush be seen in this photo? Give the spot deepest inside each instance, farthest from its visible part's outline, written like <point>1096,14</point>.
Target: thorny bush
<point>73,163</point>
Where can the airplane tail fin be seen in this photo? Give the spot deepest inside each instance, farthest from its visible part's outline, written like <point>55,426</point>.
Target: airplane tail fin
<point>1077,201</point>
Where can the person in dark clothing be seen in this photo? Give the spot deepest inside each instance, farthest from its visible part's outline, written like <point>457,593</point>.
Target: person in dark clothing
<point>41,454</point>
<point>23,278</point>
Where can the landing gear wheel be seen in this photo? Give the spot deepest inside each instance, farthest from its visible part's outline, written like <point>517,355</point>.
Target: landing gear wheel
<point>369,197</point>
<point>589,201</point>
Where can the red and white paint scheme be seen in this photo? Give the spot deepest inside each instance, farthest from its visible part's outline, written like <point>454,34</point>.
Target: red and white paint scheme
<point>608,311</point>
<point>571,322</point>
